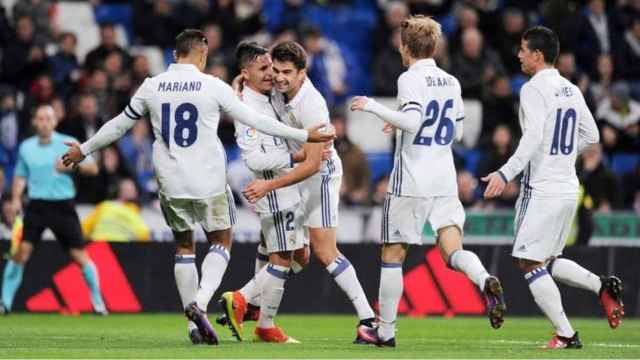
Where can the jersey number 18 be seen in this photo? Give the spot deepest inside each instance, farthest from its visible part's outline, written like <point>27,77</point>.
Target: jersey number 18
<point>185,131</point>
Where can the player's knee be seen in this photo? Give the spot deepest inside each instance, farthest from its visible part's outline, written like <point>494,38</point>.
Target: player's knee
<point>394,253</point>
<point>281,258</point>
<point>220,237</point>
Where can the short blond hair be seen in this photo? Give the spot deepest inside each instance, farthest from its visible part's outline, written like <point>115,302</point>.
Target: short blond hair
<point>420,35</point>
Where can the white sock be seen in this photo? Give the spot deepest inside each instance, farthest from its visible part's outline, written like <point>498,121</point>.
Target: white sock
<point>272,291</point>
<point>252,289</point>
<point>213,268</point>
<point>186,275</point>
<point>262,258</point>
<point>570,273</point>
<point>469,263</point>
<point>391,287</point>
<point>547,296</point>
<point>345,276</point>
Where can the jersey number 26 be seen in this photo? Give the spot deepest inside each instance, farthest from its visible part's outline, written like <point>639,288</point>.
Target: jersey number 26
<point>185,131</point>
<point>446,127</point>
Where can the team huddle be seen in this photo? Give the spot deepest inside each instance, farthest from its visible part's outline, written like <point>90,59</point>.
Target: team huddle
<point>284,133</point>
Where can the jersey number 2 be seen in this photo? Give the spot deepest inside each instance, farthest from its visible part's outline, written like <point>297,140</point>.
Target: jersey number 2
<point>563,132</point>
<point>445,129</point>
<point>185,131</point>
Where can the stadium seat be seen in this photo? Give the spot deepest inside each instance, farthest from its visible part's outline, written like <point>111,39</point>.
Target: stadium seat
<point>472,158</point>
<point>624,163</point>
<point>516,83</point>
<point>117,14</point>
<point>380,164</point>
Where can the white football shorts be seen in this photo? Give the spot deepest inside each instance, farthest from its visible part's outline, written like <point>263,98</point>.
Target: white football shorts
<point>541,227</point>
<point>320,198</point>
<point>212,214</point>
<point>283,230</point>
<point>403,217</point>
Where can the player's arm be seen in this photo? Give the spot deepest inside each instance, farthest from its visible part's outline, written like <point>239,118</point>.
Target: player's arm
<point>310,166</point>
<point>409,118</point>
<point>258,160</point>
<point>268,125</point>
<point>533,105</point>
<point>112,130</point>
<point>587,129</point>
<point>459,120</point>
<point>19,182</point>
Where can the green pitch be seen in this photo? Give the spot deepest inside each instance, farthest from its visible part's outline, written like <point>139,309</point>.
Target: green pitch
<point>322,336</point>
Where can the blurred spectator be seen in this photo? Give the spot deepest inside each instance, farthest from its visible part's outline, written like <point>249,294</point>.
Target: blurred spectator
<point>467,185</point>
<point>38,11</point>
<point>2,185</point>
<point>441,55</point>
<point>154,23</point>
<point>117,94</point>
<point>5,29</point>
<point>65,69</point>
<point>217,54</point>
<point>507,41</point>
<point>595,35</point>
<point>117,220</point>
<point>59,108</point>
<point>618,116</point>
<point>218,69</point>
<point>387,67</point>
<point>41,91</point>
<point>566,66</point>
<point>139,70</point>
<point>112,169</point>
<point>500,108</point>
<point>631,187</point>
<point>356,181</point>
<point>599,182</point>
<point>601,85</point>
<point>8,121</point>
<point>629,54</point>
<point>23,59</point>
<point>325,65</point>
<point>467,18</point>
<point>98,87</point>
<point>501,148</point>
<point>394,12</point>
<point>86,122</point>
<point>475,65</point>
<point>136,148</point>
<point>97,56</point>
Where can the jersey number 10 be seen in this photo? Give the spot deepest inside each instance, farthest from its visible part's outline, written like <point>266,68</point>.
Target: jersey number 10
<point>185,131</point>
<point>563,132</point>
<point>446,127</point>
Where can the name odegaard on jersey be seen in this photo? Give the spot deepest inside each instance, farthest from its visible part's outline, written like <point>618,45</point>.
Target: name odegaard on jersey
<point>439,81</point>
<point>179,86</point>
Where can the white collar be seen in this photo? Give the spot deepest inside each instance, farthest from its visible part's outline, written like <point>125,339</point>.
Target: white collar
<point>423,62</point>
<point>183,67</point>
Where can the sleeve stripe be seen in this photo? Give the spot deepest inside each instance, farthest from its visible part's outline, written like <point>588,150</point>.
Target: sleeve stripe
<point>413,103</point>
<point>133,111</point>
<point>503,177</point>
<point>460,119</point>
<point>129,116</point>
<point>412,109</point>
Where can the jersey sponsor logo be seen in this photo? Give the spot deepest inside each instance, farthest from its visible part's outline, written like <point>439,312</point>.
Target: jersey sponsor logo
<point>251,133</point>
<point>179,86</point>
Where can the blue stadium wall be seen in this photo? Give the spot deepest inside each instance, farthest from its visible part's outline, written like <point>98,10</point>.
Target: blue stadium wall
<point>139,277</point>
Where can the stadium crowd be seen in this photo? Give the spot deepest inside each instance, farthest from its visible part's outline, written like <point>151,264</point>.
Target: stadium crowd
<point>352,46</point>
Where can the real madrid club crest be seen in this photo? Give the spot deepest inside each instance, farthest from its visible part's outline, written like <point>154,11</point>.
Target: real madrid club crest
<point>251,133</point>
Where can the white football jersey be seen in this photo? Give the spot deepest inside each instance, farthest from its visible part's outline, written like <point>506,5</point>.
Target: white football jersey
<point>423,161</point>
<point>306,109</point>
<point>556,123</point>
<point>266,156</point>
<point>184,106</point>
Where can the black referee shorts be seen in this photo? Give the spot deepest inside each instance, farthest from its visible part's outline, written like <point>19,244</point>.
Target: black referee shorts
<point>59,216</point>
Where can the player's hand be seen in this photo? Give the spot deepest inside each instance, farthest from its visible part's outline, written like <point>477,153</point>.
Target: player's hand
<point>256,190</point>
<point>238,85</point>
<point>62,168</point>
<point>73,155</point>
<point>299,156</point>
<point>321,133</point>
<point>388,128</point>
<point>495,186</point>
<point>358,103</point>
